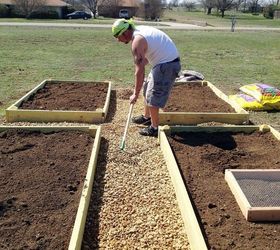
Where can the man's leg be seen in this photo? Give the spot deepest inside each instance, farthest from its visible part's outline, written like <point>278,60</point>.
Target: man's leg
<point>143,119</point>
<point>153,129</point>
<point>154,112</point>
<point>156,93</point>
<point>147,113</point>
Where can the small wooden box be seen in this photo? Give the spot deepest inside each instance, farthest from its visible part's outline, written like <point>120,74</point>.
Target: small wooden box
<point>257,201</point>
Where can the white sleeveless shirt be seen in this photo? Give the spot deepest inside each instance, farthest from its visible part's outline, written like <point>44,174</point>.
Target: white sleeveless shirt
<point>161,48</point>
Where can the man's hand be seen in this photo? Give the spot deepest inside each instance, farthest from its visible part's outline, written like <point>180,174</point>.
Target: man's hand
<point>133,98</point>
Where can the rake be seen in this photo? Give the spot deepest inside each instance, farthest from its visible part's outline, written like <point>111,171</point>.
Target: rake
<point>122,146</point>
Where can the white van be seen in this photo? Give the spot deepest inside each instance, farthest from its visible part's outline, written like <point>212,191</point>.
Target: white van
<point>124,13</point>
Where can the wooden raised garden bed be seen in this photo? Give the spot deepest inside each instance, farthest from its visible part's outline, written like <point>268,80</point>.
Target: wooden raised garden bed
<point>197,102</point>
<point>197,158</point>
<point>59,101</point>
<point>257,192</point>
<point>46,181</point>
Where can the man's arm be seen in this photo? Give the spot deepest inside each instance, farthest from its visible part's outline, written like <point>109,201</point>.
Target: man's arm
<point>139,48</point>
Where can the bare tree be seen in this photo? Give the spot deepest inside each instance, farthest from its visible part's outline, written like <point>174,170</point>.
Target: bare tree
<point>238,4</point>
<point>92,5</point>
<point>254,6</point>
<point>174,3</point>
<point>208,5</point>
<point>272,2</point>
<point>244,5</point>
<point>189,5</point>
<point>164,3</point>
<point>108,7</point>
<point>153,9</point>
<point>26,7</point>
<point>223,5</point>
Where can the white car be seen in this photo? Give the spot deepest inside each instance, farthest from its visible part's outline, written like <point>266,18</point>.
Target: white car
<point>124,13</point>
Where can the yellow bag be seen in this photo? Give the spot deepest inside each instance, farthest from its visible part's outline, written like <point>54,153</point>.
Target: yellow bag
<point>265,94</point>
<point>248,102</point>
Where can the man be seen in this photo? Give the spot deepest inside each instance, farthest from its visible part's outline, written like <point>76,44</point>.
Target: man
<point>150,45</point>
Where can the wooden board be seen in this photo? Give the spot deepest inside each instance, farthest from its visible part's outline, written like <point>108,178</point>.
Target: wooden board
<point>192,227</point>
<point>15,114</point>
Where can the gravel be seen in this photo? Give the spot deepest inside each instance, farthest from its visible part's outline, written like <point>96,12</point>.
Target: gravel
<point>137,206</point>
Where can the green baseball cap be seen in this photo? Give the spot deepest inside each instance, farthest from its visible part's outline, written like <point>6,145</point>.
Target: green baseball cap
<point>120,26</point>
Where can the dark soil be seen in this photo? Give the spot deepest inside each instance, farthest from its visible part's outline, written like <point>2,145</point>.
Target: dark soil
<point>203,158</point>
<point>41,179</point>
<point>68,96</point>
<point>194,97</point>
<point>41,175</point>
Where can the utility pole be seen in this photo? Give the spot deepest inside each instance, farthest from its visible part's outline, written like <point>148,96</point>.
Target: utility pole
<point>233,22</point>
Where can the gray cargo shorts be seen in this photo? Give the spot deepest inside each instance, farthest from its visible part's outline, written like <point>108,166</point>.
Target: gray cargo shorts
<point>157,87</point>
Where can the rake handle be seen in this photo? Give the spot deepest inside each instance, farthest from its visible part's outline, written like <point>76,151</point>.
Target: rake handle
<point>127,124</point>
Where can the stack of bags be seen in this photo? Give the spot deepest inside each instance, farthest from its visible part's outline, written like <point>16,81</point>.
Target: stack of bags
<point>258,96</point>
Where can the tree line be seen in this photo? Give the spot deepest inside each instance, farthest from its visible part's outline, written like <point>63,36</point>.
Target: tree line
<point>249,6</point>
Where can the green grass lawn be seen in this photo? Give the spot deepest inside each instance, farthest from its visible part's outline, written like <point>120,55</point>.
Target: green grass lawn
<point>228,60</point>
<point>243,19</point>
